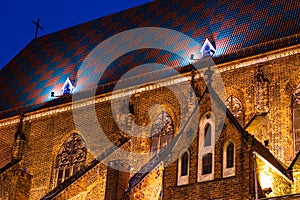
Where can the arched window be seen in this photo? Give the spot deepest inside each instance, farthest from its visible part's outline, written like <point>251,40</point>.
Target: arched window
<point>183,169</point>
<point>71,158</point>
<point>207,135</point>
<point>296,118</point>
<point>162,131</point>
<point>206,147</point>
<point>235,106</point>
<point>184,164</point>
<point>228,159</point>
<point>230,156</point>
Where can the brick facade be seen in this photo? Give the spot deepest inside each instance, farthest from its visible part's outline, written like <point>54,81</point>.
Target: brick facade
<point>264,142</point>
<point>45,136</point>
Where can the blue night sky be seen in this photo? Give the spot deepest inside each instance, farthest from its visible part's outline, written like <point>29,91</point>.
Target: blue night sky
<point>16,18</point>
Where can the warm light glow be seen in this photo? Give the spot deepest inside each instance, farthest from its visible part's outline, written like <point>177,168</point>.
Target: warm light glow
<point>265,180</point>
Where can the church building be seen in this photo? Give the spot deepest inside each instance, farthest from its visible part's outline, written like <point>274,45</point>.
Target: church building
<point>169,100</point>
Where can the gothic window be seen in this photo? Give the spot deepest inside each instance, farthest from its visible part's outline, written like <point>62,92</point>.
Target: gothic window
<point>207,164</point>
<point>183,169</point>
<point>296,119</point>
<point>235,106</point>
<point>162,131</point>
<point>184,164</point>
<point>207,135</point>
<point>228,159</point>
<point>71,158</point>
<point>206,147</point>
<point>230,156</point>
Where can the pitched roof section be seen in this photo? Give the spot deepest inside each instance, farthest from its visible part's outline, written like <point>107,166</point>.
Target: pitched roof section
<point>47,62</point>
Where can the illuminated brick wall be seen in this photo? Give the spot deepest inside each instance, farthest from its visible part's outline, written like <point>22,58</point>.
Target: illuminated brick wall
<point>46,134</point>
<point>269,177</point>
<point>284,77</point>
<point>90,186</point>
<point>150,188</point>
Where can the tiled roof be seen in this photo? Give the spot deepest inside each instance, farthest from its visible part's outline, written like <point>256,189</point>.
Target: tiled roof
<point>45,63</point>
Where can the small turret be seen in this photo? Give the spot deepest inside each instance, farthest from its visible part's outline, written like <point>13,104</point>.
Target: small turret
<point>20,140</point>
<point>262,92</point>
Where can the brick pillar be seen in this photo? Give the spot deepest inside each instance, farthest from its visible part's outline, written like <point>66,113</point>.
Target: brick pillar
<point>21,184</point>
<point>116,181</point>
<point>20,141</point>
<point>16,184</point>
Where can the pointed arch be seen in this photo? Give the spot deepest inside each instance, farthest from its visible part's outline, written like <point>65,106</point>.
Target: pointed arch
<point>229,159</point>
<point>235,106</point>
<point>70,159</point>
<point>162,131</point>
<point>183,168</point>
<point>206,151</point>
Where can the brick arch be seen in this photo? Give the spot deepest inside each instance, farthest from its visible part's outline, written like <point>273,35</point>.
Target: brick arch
<point>239,94</point>
<point>62,140</point>
<point>155,112</point>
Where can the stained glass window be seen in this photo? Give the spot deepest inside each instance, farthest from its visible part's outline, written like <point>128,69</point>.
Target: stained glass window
<point>71,157</point>
<point>162,131</point>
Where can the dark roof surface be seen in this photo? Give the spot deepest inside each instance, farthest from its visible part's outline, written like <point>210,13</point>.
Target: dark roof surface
<point>45,63</point>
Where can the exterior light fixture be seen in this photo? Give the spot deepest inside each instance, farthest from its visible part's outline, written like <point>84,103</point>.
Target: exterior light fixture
<point>267,190</point>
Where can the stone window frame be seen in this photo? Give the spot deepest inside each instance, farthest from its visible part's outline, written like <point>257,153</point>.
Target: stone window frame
<point>183,180</point>
<point>229,171</point>
<point>71,168</point>
<point>207,118</point>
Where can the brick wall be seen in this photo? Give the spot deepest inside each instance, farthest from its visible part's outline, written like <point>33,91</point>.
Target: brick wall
<point>46,134</point>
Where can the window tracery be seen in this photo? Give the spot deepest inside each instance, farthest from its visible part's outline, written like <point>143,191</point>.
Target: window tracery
<point>71,158</point>
<point>235,106</point>
<point>162,131</point>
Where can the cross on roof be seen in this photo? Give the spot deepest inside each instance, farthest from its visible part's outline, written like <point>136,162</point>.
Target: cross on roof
<point>37,24</point>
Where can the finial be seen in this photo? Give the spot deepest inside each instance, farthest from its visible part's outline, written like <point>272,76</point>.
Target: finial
<point>37,27</point>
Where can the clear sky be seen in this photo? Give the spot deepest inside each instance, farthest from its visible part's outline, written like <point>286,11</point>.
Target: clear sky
<point>16,18</point>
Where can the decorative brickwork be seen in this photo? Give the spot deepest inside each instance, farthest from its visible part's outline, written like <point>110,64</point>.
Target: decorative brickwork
<point>48,154</point>
<point>15,183</point>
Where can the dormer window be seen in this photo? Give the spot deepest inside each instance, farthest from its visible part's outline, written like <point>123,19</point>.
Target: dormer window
<point>208,49</point>
<point>68,87</point>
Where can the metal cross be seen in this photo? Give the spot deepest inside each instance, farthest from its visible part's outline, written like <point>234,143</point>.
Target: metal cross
<point>37,24</point>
